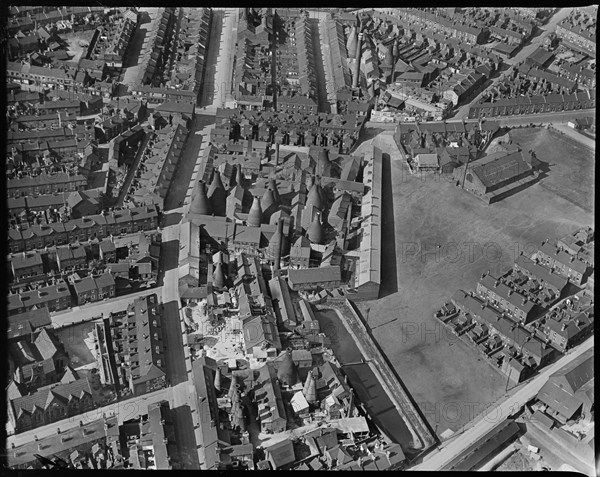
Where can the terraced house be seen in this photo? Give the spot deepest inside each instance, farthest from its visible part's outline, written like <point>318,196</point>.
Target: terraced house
<point>562,262</point>
<point>116,222</point>
<point>131,348</point>
<point>505,298</point>
<point>54,297</point>
<point>50,404</point>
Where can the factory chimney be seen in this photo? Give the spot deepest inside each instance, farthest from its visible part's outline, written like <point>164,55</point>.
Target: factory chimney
<point>278,250</point>
<point>356,71</point>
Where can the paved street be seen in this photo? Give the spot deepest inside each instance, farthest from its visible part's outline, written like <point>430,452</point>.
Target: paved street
<point>221,50</point>
<point>125,410</point>
<point>529,48</point>
<point>518,396</point>
<point>576,135</point>
<point>139,44</point>
<point>194,145</point>
<point>214,44</point>
<point>317,41</point>
<point>95,310</point>
<point>554,118</point>
<point>542,118</point>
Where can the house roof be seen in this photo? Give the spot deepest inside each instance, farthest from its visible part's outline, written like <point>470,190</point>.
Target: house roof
<point>43,397</point>
<point>25,260</point>
<point>427,159</point>
<point>260,330</point>
<point>541,272</point>
<point>281,453</point>
<point>314,275</point>
<point>563,257</point>
<point>105,280</point>
<point>25,323</point>
<point>500,169</point>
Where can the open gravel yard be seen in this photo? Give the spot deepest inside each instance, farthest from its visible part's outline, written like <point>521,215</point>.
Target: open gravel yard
<point>436,239</point>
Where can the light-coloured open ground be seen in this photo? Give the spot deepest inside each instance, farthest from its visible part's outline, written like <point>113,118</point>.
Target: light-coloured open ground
<point>570,163</point>
<point>226,336</point>
<point>438,239</point>
<point>78,43</point>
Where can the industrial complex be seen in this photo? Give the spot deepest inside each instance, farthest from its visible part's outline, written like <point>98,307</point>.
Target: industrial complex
<point>300,239</point>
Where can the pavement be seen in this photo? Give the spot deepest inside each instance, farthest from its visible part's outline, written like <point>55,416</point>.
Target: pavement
<point>220,83</point>
<point>138,46</point>
<point>529,48</point>
<point>124,410</point>
<point>181,394</point>
<point>515,400</point>
<point>541,118</point>
<point>576,135</point>
<point>192,152</point>
<point>319,64</point>
<point>92,311</point>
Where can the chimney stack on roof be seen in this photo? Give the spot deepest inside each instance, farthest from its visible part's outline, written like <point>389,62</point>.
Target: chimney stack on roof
<point>356,71</point>
<point>273,187</point>
<point>239,179</point>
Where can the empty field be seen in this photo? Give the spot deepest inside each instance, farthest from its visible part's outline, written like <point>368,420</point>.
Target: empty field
<point>570,164</point>
<point>438,239</point>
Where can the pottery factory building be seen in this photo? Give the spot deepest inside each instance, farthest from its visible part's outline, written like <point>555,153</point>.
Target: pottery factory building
<point>367,274</point>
